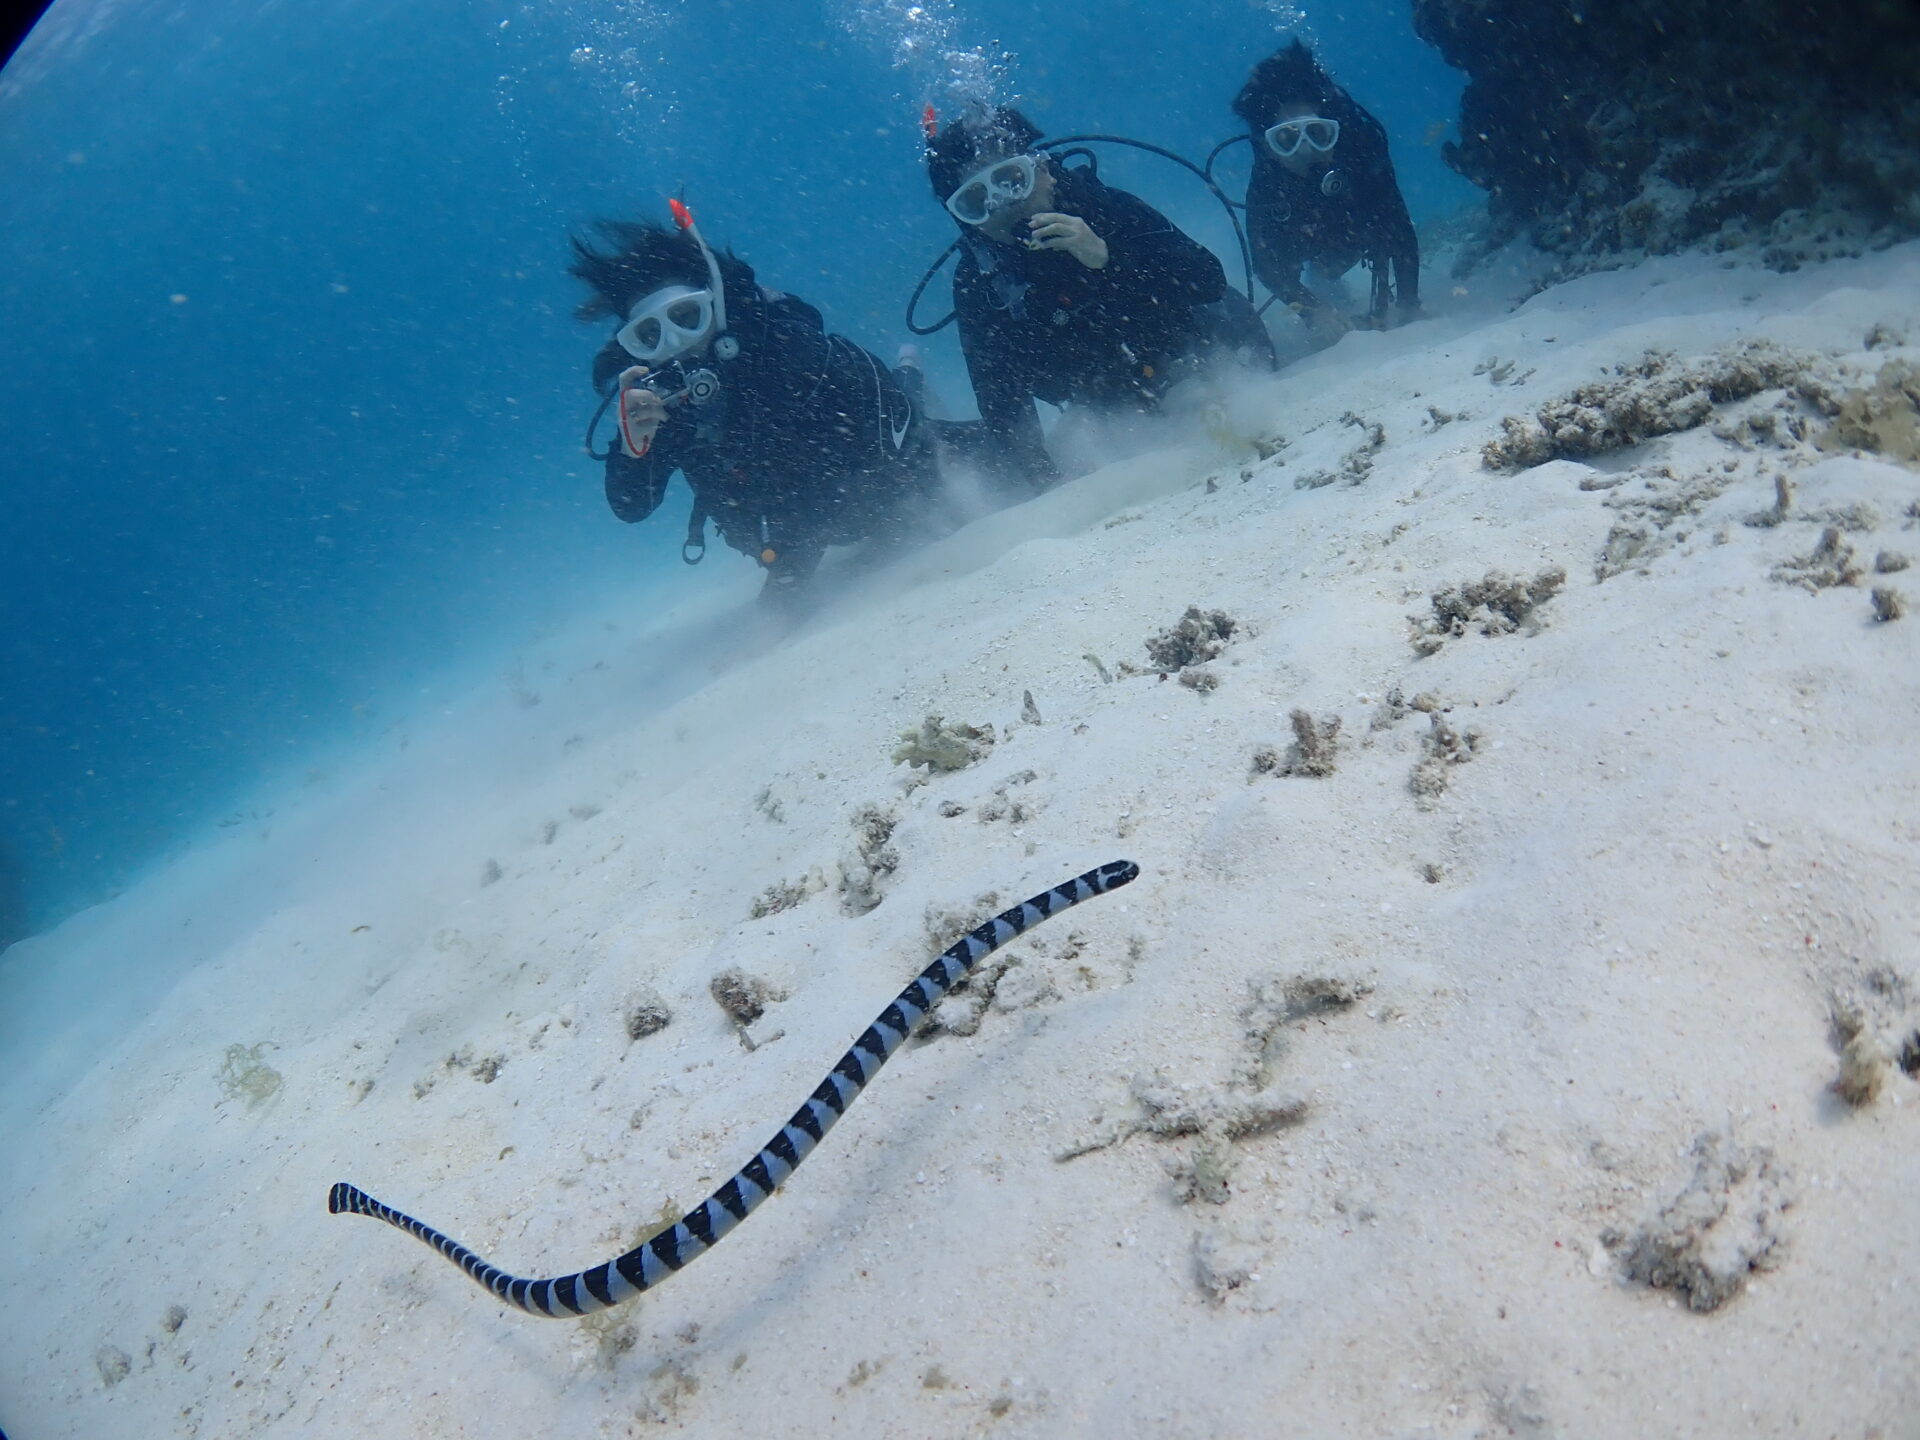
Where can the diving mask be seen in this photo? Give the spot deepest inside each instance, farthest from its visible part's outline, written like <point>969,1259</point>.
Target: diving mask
<point>668,323</point>
<point>994,187</point>
<point>1316,132</point>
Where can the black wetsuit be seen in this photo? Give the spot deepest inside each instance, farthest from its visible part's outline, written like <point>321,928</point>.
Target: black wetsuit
<point>1292,221</point>
<point>1037,324</point>
<point>811,441</point>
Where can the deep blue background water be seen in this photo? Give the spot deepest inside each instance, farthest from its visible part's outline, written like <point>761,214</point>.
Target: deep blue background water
<point>291,395</point>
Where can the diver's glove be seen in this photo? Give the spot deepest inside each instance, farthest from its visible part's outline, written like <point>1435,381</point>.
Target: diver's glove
<point>1050,230</point>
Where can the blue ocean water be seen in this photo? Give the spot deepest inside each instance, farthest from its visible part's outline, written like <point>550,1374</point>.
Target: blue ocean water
<point>293,396</point>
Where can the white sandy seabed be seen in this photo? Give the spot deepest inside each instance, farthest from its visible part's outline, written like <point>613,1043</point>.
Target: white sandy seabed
<point>1399,1086</point>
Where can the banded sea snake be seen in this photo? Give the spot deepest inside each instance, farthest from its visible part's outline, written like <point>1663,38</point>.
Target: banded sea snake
<point>701,1228</point>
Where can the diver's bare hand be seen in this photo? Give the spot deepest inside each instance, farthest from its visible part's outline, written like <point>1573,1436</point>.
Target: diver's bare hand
<point>642,411</point>
<point>1050,230</point>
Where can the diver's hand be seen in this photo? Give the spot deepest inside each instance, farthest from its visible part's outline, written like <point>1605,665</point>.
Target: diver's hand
<point>642,412</point>
<point>1053,231</point>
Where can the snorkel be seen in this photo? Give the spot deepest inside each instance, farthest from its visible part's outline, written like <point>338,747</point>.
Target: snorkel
<point>683,217</point>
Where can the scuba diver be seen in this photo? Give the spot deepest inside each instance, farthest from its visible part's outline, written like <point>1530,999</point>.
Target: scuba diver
<point>791,439</point>
<point>1070,291</point>
<point>1323,192</point>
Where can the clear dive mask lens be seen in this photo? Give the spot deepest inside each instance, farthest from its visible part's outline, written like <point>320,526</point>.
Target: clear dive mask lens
<point>993,187</point>
<point>1316,132</point>
<point>667,323</point>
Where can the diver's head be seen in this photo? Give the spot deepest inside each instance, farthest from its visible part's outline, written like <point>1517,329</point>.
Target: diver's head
<point>657,283</point>
<point>1291,109</point>
<point>987,170</point>
<point>1301,138</point>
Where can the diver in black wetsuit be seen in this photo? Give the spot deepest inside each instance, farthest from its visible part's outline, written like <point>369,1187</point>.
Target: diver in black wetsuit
<point>791,439</point>
<point>1323,192</point>
<point>1070,291</point>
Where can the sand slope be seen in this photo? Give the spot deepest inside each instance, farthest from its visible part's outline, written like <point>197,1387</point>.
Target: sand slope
<point>1390,1080</point>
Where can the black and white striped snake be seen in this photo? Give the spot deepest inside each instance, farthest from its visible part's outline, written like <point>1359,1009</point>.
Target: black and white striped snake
<point>700,1229</point>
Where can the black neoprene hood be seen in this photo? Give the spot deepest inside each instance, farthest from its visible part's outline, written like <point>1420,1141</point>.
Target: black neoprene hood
<point>959,149</point>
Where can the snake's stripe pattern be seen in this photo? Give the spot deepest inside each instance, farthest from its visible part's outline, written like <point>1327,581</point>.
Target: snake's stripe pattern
<point>701,1228</point>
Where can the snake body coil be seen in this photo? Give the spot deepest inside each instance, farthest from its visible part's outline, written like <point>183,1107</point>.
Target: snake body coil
<point>701,1228</point>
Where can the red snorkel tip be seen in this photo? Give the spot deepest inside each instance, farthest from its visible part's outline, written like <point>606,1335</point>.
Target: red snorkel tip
<point>682,216</point>
<point>929,121</point>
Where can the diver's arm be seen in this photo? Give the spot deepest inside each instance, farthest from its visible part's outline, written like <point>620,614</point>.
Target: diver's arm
<point>1277,263</point>
<point>1006,409</point>
<point>636,487</point>
<point>1277,260</point>
<point>1394,242</point>
<point>1393,239</point>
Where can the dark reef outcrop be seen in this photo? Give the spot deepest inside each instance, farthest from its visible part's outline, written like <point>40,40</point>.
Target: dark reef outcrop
<point>1601,127</point>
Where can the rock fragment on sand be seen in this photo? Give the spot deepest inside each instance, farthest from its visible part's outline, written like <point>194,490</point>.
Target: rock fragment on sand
<point>1875,1030</point>
<point>1223,1263</point>
<point>1315,744</point>
<point>1496,604</point>
<point>645,1013</point>
<point>1199,678</point>
<point>864,869</point>
<point>1831,562</point>
<point>1442,748</point>
<point>113,1363</point>
<point>1198,636</point>
<point>1722,1225</point>
<point>743,997</point>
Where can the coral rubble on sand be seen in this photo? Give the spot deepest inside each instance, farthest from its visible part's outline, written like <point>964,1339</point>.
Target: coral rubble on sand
<point>1656,395</point>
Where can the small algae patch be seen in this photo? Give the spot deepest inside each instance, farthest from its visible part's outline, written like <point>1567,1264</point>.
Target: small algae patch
<point>937,745</point>
<point>1883,417</point>
<point>245,1074</point>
